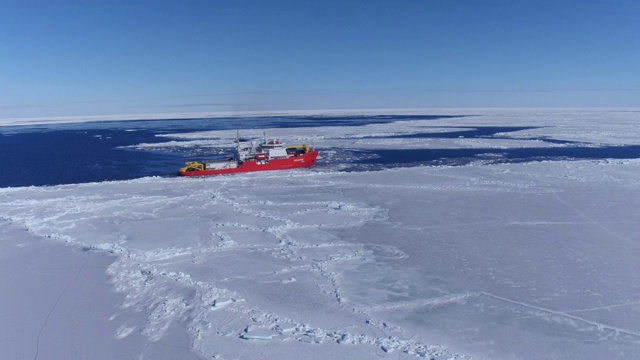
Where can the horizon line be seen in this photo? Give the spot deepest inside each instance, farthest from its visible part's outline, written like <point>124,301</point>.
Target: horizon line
<point>45,120</point>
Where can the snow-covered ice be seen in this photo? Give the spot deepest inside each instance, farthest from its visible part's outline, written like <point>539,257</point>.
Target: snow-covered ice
<point>533,260</point>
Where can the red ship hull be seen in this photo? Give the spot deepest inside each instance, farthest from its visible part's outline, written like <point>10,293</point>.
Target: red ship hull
<point>293,162</point>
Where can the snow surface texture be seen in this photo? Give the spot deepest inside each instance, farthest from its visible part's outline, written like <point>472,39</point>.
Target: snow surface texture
<point>504,261</point>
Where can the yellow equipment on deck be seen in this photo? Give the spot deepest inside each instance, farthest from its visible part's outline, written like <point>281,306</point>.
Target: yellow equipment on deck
<point>192,166</point>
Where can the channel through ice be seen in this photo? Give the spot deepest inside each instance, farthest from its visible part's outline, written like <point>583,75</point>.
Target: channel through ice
<point>488,260</point>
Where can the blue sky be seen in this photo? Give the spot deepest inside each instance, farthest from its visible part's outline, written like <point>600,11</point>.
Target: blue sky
<point>68,58</point>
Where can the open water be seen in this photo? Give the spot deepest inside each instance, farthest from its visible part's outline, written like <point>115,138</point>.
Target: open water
<point>97,151</point>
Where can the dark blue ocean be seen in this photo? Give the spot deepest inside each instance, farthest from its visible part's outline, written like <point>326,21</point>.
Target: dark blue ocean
<point>96,151</point>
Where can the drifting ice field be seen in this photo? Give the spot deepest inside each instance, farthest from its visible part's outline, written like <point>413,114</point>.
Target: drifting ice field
<point>489,260</point>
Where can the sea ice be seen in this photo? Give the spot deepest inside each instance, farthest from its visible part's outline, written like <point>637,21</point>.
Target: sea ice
<point>532,260</point>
